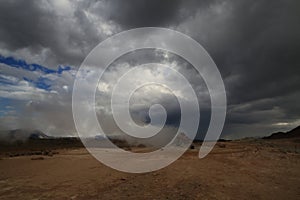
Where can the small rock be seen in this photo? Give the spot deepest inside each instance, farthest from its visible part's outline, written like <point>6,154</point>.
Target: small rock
<point>38,158</point>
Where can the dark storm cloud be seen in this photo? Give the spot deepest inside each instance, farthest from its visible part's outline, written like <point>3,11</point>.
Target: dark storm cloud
<point>255,44</point>
<point>265,59</point>
<point>156,13</point>
<point>141,13</point>
<point>265,49</point>
<point>64,30</point>
<point>69,31</point>
<point>13,33</point>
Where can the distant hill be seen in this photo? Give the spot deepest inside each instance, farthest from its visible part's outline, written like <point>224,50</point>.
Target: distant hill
<point>26,139</point>
<point>22,135</point>
<point>294,133</point>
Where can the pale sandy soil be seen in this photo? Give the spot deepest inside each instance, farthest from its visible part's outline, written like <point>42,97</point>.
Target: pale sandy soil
<point>240,170</point>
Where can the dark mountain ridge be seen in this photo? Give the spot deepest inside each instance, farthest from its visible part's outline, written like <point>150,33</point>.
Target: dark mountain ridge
<point>294,133</point>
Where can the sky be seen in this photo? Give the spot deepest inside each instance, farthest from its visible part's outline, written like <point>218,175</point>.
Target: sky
<point>255,44</point>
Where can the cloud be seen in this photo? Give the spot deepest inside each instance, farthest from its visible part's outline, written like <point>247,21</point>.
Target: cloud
<point>255,44</point>
<point>66,30</point>
<point>38,97</point>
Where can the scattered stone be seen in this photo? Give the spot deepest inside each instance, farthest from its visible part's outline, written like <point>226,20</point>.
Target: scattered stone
<point>222,145</point>
<point>38,158</point>
<point>141,146</point>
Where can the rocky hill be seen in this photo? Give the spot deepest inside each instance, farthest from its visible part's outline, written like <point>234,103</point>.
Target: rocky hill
<point>294,133</point>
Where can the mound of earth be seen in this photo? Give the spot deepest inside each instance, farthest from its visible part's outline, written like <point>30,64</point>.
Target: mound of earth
<point>294,133</point>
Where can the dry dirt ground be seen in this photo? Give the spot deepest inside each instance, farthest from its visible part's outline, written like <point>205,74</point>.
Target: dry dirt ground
<point>234,170</point>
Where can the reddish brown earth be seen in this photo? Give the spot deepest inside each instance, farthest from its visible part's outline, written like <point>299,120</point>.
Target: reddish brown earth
<point>234,170</point>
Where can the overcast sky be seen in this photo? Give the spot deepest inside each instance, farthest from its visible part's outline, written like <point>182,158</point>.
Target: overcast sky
<point>255,44</point>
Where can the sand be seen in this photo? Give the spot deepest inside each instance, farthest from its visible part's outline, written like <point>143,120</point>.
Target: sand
<point>234,170</point>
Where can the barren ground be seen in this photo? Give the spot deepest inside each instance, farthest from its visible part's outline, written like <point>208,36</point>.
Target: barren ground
<point>239,170</point>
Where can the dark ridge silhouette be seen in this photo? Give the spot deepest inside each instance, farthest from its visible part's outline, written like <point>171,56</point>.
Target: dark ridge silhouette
<point>21,135</point>
<point>219,140</point>
<point>20,139</point>
<point>294,133</point>
<point>35,140</point>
